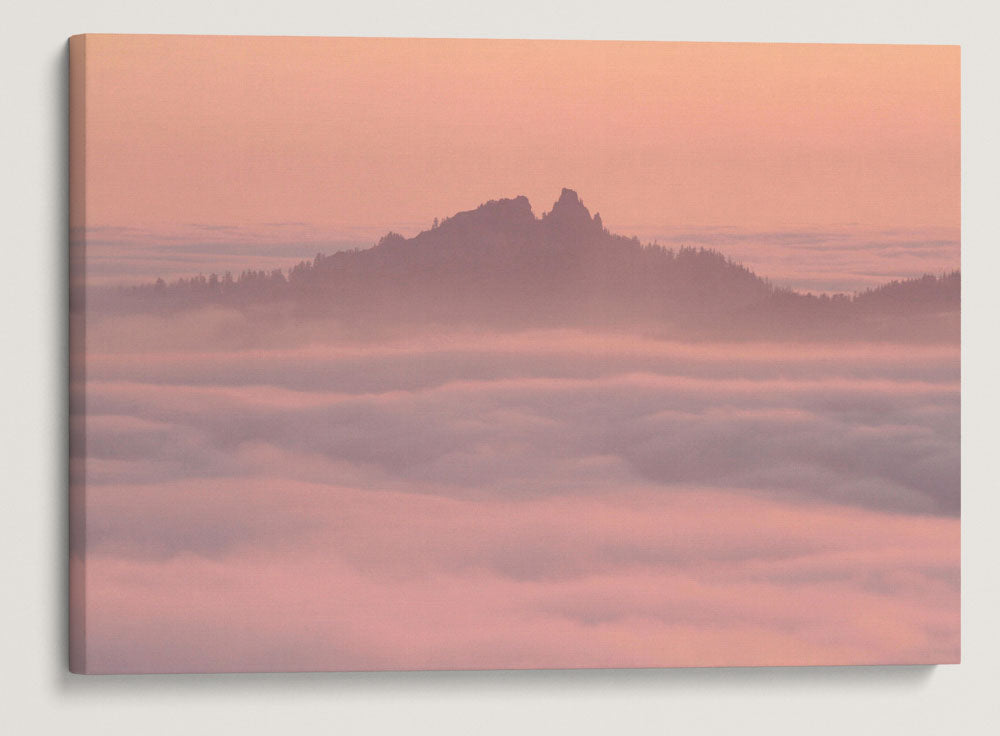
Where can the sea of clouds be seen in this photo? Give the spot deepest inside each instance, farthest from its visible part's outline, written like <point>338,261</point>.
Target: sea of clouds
<point>291,498</point>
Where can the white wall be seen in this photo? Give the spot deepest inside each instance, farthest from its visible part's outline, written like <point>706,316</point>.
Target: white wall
<point>38,696</point>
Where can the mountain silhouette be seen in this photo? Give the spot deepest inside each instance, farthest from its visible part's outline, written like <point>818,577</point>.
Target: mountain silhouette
<point>500,265</point>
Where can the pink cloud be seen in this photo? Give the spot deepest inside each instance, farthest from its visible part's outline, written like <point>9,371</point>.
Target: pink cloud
<point>382,580</point>
<point>549,499</point>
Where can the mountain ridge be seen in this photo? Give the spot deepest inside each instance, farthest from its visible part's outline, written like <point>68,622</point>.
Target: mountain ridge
<point>500,264</point>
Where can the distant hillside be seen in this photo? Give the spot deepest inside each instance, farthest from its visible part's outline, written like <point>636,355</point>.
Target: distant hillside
<point>501,265</point>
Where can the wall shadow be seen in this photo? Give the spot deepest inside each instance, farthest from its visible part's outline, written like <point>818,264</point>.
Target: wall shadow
<point>714,679</point>
<point>59,76</point>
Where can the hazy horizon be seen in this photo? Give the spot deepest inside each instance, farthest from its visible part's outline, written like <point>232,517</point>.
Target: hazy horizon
<point>802,258</point>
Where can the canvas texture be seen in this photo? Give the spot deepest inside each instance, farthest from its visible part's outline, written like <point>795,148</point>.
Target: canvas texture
<point>404,354</point>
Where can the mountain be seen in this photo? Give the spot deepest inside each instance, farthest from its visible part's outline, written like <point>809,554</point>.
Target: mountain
<point>500,265</point>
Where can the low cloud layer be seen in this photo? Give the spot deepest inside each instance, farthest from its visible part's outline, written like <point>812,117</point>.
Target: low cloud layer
<point>542,499</point>
<point>834,259</point>
<point>842,259</point>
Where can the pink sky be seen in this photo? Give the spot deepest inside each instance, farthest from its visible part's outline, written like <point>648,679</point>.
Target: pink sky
<point>244,131</point>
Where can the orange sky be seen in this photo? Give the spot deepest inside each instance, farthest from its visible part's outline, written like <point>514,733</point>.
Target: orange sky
<point>381,132</point>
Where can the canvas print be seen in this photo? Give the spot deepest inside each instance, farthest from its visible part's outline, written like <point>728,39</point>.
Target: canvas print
<point>402,354</point>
